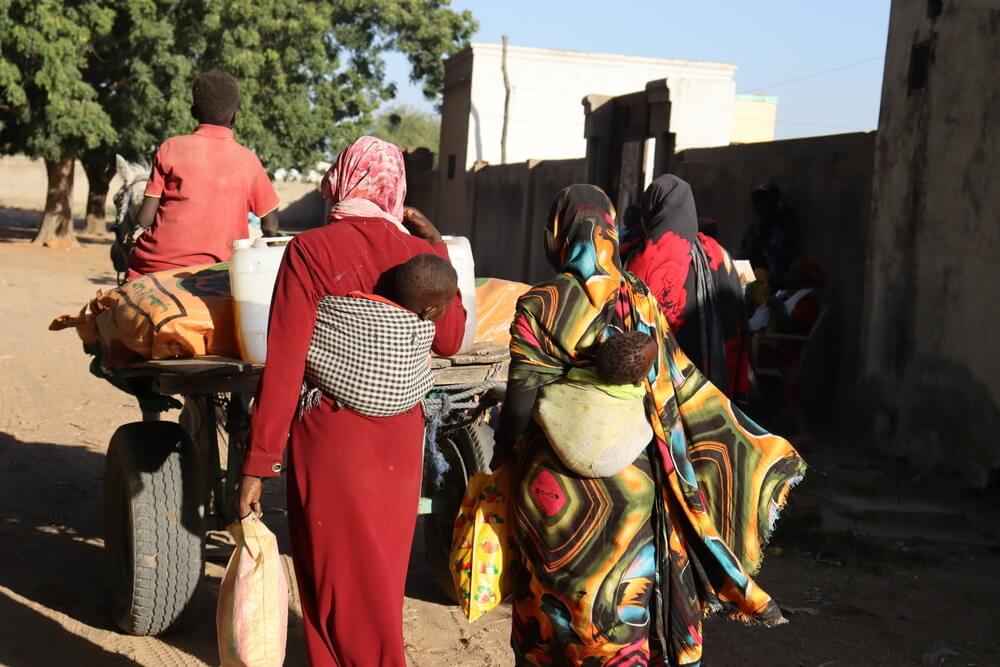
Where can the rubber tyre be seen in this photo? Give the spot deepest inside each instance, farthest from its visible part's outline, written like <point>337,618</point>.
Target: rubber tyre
<point>153,526</point>
<point>468,451</point>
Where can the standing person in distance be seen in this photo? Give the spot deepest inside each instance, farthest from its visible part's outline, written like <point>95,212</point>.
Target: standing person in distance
<point>696,285</point>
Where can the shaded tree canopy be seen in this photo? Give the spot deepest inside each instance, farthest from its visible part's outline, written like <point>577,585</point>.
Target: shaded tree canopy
<point>88,78</point>
<point>405,126</point>
<point>48,107</point>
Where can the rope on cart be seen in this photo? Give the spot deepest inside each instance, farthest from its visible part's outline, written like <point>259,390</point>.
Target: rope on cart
<point>438,406</point>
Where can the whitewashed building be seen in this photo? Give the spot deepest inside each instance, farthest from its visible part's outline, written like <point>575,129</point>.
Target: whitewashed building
<point>546,117</point>
<point>547,87</point>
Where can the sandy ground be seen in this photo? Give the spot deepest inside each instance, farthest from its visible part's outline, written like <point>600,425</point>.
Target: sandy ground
<point>850,602</point>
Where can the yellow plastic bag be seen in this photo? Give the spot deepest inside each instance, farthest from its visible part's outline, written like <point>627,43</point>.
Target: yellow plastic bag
<point>483,551</point>
<point>251,620</point>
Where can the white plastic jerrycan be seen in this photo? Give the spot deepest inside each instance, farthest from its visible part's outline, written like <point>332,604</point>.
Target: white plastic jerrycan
<point>460,253</point>
<point>253,269</point>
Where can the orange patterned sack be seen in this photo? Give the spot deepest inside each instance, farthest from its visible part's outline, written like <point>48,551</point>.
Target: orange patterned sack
<point>496,301</point>
<point>483,552</point>
<point>164,315</point>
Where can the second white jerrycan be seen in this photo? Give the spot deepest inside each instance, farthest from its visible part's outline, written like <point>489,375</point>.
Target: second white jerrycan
<point>253,269</point>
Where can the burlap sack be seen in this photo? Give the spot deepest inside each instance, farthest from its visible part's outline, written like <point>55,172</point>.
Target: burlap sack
<point>496,301</point>
<point>165,315</point>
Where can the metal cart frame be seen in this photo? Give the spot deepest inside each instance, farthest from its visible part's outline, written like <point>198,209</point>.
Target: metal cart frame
<point>168,483</point>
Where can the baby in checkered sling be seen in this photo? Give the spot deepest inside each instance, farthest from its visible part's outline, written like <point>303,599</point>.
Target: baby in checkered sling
<point>372,354</point>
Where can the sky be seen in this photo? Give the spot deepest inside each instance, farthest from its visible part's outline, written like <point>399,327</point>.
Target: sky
<point>783,48</point>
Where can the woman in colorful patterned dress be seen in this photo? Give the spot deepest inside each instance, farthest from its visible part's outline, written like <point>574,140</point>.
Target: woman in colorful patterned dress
<point>696,285</point>
<point>621,570</point>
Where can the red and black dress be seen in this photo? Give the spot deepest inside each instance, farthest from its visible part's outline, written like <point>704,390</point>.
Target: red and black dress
<point>696,284</point>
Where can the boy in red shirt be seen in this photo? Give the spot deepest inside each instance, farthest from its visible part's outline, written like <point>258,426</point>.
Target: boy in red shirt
<point>202,187</point>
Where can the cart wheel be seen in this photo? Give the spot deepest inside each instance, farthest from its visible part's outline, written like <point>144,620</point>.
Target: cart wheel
<point>468,451</point>
<point>153,528</point>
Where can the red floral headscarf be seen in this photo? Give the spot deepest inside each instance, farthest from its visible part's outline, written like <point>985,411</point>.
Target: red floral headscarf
<point>368,180</point>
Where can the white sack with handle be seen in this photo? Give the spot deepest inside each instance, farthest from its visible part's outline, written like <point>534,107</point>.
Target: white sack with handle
<point>252,617</point>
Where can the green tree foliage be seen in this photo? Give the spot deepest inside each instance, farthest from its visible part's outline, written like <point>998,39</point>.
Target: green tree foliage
<point>142,79</point>
<point>47,108</point>
<point>406,126</point>
<point>93,77</point>
<point>312,73</point>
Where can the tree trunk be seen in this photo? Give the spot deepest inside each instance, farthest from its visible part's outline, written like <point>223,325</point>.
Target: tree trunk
<point>99,175</point>
<point>57,224</point>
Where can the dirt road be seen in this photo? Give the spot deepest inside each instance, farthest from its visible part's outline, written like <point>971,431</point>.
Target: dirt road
<point>848,605</point>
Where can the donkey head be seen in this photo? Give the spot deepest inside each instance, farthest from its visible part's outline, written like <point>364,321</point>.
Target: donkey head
<point>128,199</point>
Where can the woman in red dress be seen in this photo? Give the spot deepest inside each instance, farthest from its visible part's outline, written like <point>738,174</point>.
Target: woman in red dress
<point>694,280</point>
<point>354,481</point>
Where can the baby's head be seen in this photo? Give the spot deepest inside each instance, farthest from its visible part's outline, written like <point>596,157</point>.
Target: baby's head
<point>625,358</point>
<point>425,285</point>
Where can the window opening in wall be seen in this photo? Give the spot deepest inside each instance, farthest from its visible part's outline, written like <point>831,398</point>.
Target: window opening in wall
<point>451,167</point>
<point>920,64</point>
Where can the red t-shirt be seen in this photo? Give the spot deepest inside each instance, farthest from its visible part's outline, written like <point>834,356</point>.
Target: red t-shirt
<point>207,184</point>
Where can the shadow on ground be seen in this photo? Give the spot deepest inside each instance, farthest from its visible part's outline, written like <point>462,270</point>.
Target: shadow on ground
<point>849,600</point>
<point>52,563</point>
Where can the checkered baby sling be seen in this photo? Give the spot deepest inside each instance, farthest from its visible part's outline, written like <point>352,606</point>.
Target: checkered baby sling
<point>369,355</point>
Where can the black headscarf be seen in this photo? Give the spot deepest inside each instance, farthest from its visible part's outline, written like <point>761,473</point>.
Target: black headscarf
<point>668,206</point>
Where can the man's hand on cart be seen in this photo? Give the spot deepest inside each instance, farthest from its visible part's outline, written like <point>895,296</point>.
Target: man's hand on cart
<point>249,500</point>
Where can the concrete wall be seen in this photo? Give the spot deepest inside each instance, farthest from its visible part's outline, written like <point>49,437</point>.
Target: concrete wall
<point>499,232</point>
<point>302,206</point>
<point>546,119</point>
<point>510,209</point>
<point>421,180</point>
<point>930,330</point>
<point>454,189</point>
<point>754,117</point>
<point>548,85</point>
<point>827,181</point>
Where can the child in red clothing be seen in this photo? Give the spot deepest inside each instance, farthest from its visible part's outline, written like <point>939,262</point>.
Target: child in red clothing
<point>202,188</point>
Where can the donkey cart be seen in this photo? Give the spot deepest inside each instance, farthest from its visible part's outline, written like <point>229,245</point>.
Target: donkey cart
<point>167,483</point>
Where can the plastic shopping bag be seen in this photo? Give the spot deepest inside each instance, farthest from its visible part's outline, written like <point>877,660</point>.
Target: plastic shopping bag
<point>483,552</point>
<point>252,617</point>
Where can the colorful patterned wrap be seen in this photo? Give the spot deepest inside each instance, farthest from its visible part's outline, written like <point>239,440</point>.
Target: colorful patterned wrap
<point>622,570</point>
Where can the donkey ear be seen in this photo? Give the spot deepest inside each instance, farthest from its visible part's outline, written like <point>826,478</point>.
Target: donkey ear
<point>123,168</point>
